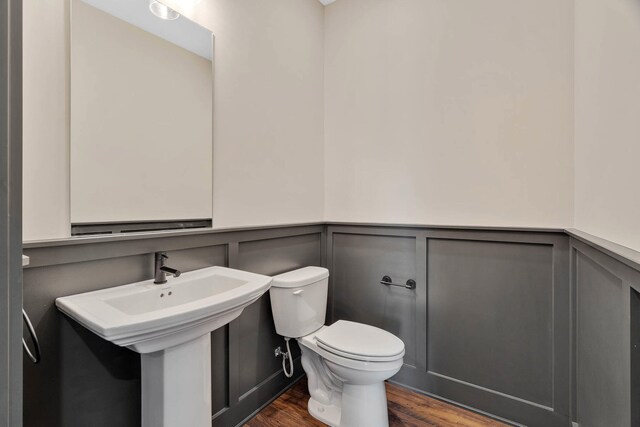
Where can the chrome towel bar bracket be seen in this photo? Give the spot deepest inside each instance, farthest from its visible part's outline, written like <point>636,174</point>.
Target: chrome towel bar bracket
<point>386,280</point>
<point>35,356</point>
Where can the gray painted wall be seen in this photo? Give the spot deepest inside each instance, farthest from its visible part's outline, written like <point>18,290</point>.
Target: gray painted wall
<point>10,212</point>
<point>605,341</point>
<point>531,326</point>
<point>84,380</point>
<point>488,323</point>
<point>635,357</point>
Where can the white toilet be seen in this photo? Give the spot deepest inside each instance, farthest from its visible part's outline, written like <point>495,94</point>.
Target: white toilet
<point>346,363</point>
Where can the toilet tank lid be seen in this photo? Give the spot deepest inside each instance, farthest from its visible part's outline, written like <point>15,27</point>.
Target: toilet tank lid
<point>300,277</point>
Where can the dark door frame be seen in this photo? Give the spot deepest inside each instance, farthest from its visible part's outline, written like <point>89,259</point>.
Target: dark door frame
<point>10,213</point>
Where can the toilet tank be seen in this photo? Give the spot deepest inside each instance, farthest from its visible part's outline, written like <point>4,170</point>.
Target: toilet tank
<point>299,301</point>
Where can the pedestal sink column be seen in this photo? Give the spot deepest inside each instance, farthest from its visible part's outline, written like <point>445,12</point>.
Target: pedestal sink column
<point>176,385</point>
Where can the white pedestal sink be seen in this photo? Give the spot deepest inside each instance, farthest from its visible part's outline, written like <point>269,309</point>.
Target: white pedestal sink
<point>170,326</point>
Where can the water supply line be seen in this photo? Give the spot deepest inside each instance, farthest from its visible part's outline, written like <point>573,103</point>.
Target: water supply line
<point>284,361</point>
<point>286,355</point>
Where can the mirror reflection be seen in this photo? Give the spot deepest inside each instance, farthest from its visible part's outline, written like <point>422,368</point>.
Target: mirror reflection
<point>141,115</point>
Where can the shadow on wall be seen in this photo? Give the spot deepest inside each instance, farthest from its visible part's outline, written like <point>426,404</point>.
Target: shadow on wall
<point>100,364</point>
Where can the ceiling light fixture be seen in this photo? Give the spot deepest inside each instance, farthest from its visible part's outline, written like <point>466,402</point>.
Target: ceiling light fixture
<point>162,11</point>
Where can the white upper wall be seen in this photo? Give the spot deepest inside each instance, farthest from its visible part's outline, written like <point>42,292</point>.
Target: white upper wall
<point>449,112</point>
<point>607,119</point>
<point>268,114</point>
<point>268,110</point>
<point>436,112</point>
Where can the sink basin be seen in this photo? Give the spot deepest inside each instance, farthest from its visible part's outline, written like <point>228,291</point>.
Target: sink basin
<point>146,317</point>
<point>170,325</point>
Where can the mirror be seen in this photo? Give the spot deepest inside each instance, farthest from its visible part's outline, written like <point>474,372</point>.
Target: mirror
<point>141,118</point>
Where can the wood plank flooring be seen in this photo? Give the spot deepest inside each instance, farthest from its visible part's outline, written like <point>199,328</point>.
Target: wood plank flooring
<point>406,409</point>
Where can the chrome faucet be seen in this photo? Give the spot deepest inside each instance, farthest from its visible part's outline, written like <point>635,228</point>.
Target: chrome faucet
<point>162,270</point>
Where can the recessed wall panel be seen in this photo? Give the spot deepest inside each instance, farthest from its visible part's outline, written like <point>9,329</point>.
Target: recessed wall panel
<point>196,258</point>
<point>635,358</point>
<point>359,263</point>
<point>602,389</point>
<point>275,256</point>
<point>257,336</point>
<point>490,316</point>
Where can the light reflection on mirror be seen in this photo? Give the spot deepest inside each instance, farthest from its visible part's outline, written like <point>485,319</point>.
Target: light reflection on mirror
<point>162,11</point>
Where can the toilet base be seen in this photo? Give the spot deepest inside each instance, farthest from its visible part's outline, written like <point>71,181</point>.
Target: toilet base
<point>364,405</point>
<point>343,396</point>
<point>328,414</point>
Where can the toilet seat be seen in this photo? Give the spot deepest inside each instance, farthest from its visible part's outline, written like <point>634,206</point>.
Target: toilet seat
<point>359,365</point>
<point>358,357</point>
<point>360,342</point>
<point>351,360</point>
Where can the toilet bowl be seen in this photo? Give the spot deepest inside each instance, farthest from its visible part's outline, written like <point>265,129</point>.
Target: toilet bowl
<point>346,363</point>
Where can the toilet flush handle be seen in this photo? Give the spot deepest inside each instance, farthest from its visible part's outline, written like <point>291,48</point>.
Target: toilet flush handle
<point>298,292</point>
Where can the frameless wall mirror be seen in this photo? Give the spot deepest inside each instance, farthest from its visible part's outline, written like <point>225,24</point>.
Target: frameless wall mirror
<point>141,118</point>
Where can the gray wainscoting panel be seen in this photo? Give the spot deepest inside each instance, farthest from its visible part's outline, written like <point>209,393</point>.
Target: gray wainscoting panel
<point>635,357</point>
<point>506,295</point>
<point>359,263</point>
<point>97,383</point>
<point>490,320</point>
<point>255,326</point>
<point>606,339</point>
<point>196,258</point>
<point>84,380</point>
<point>275,256</point>
<point>256,375</point>
<point>220,399</point>
<point>602,399</point>
<point>488,323</point>
<point>496,322</point>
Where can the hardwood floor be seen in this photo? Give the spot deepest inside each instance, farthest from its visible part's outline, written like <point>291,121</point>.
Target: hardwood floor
<point>406,409</point>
